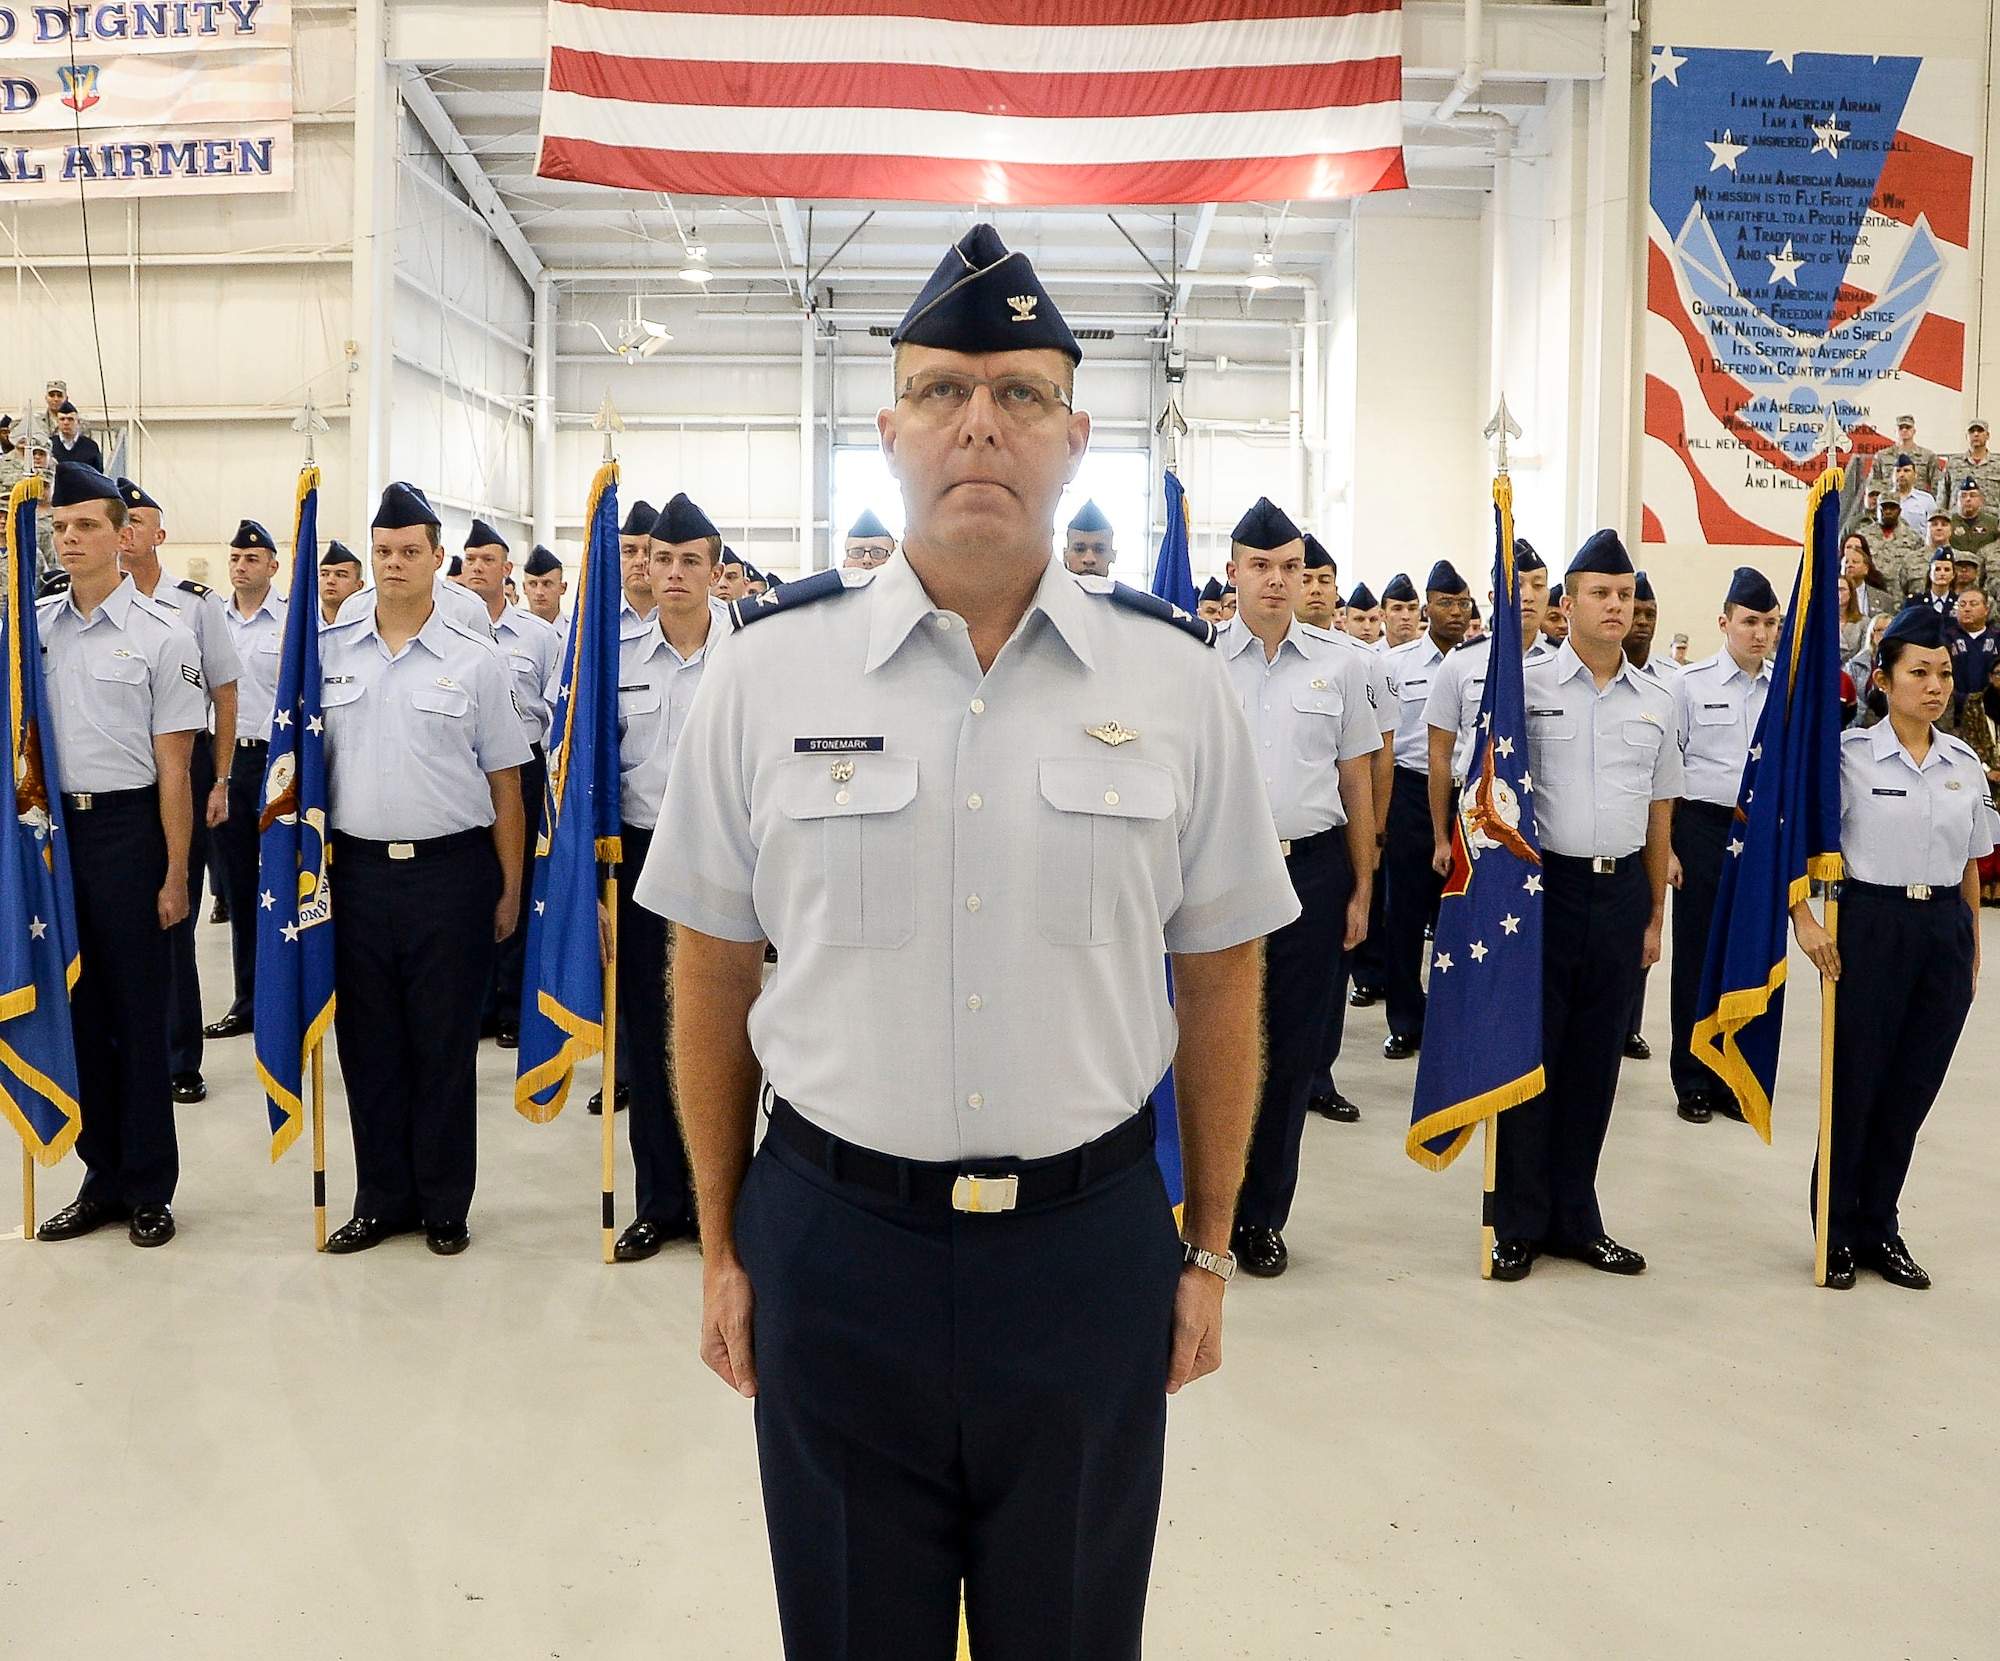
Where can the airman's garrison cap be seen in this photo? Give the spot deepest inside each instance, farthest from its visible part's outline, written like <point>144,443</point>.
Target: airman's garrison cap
<point>984,298</point>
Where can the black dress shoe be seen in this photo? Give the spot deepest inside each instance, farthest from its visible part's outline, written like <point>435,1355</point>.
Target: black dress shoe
<point>1840,1269</point>
<point>152,1225</point>
<point>1512,1259</point>
<point>1333,1105</point>
<point>508,1037</point>
<point>1399,1047</point>
<point>1259,1251</point>
<point>1724,1104</point>
<point>189,1087</point>
<point>360,1233</point>
<point>447,1239</point>
<point>1603,1253</point>
<point>624,1100</point>
<point>219,912</point>
<point>230,1026</point>
<point>1364,997</point>
<point>1636,1047</point>
<point>1695,1110</point>
<point>80,1217</point>
<point>645,1237</point>
<point>1893,1262</point>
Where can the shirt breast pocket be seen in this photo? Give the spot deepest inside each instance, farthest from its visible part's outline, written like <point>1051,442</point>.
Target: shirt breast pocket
<point>1713,715</point>
<point>443,728</point>
<point>868,845</point>
<point>1317,729</point>
<point>1093,809</point>
<point>121,685</point>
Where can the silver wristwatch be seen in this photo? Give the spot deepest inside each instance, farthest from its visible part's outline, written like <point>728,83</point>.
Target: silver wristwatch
<point>1220,1264</point>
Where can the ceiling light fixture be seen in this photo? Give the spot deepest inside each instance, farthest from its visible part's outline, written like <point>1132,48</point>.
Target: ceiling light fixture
<point>1263,270</point>
<point>696,270</point>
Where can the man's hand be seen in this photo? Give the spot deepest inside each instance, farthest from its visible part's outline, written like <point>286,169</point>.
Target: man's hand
<point>1649,953</point>
<point>217,809</point>
<point>605,944</point>
<point>172,903</point>
<point>1815,942</point>
<point>1674,872</point>
<point>726,1302</point>
<point>1197,1348</point>
<point>1357,915</point>
<point>507,913</point>
<point>1441,858</point>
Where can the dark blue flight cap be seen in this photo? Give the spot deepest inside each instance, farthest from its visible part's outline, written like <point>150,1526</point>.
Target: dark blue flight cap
<point>67,408</point>
<point>403,505</point>
<point>681,521</point>
<point>540,563</point>
<point>483,535</point>
<point>1444,579</point>
<point>751,573</point>
<point>1751,589</point>
<point>1972,484</point>
<point>338,553</point>
<point>1525,557</point>
<point>983,298</point>
<point>133,496</point>
<point>1361,599</point>
<point>1212,589</point>
<point>77,483</point>
<point>1919,624</point>
<point>1090,517</point>
<point>638,520</point>
<point>1603,555</point>
<point>1905,461</point>
<point>1265,526</point>
<point>454,567</point>
<point>250,534</point>
<point>868,525</point>
<point>1229,588</point>
<point>729,556</point>
<point>1642,588</point>
<point>1400,588</point>
<point>1317,558</point>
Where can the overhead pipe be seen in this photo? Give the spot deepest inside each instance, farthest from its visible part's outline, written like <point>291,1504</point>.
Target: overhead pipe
<point>1473,75</point>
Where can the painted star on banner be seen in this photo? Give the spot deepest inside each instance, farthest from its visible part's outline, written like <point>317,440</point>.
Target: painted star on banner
<point>1735,846</point>
<point>541,906</point>
<point>1785,266</point>
<point>267,900</point>
<point>1503,747</point>
<point>1830,136</point>
<point>1442,963</point>
<point>315,726</point>
<point>1511,924</point>
<point>1527,784</point>
<point>1478,951</point>
<point>37,928</point>
<point>290,931</point>
<point>1784,58</point>
<point>1727,152</point>
<point>1667,66</point>
<point>1533,885</point>
<point>1756,752</point>
<point>283,718</point>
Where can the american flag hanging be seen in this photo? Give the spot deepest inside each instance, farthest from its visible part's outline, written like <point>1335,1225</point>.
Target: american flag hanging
<point>1023,102</point>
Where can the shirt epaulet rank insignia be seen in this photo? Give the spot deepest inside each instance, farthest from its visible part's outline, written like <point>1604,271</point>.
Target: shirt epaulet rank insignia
<point>790,596</point>
<point>201,590</point>
<point>1151,605</point>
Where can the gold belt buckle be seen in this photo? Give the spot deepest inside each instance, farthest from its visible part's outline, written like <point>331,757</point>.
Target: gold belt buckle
<point>1285,846</point>
<point>402,850</point>
<point>970,1193</point>
<point>1603,867</point>
<point>82,801</point>
<point>1918,891</point>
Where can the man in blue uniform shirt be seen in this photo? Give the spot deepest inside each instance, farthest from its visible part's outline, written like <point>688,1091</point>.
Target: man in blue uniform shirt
<point>974,801</point>
<point>1314,731</point>
<point>126,704</point>
<point>1606,774</point>
<point>1087,543</point>
<point>339,581</point>
<point>423,752</point>
<point>1413,886</point>
<point>1717,705</point>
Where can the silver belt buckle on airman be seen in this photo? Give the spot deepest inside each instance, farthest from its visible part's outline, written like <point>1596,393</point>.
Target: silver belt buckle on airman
<point>1112,733</point>
<point>402,850</point>
<point>970,1193</point>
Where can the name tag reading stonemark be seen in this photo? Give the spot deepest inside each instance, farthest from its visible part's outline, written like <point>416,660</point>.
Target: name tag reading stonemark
<point>836,746</point>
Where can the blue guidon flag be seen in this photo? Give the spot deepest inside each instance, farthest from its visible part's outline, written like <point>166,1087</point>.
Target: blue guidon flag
<point>1483,1035</point>
<point>38,950</point>
<point>562,987</point>
<point>1787,829</point>
<point>294,898</point>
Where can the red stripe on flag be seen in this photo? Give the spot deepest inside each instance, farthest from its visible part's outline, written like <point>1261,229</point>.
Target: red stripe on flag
<point>1937,352</point>
<point>905,86</point>
<point>952,179</point>
<point>1031,14</point>
<point>1920,177</point>
<point>1650,528</point>
<point>1720,523</point>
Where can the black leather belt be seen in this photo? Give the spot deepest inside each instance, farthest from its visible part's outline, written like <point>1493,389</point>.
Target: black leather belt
<point>1715,812</point>
<point>1597,865</point>
<point>253,743</point>
<point>1305,847</point>
<point>997,1184</point>
<point>1926,892</point>
<point>102,801</point>
<point>361,847</point>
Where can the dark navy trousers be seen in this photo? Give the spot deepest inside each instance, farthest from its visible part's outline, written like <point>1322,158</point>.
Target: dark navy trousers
<point>947,1398</point>
<point>1366,959</point>
<point>1904,991</point>
<point>241,846</point>
<point>510,957</point>
<point>412,954</point>
<point>1593,930</point>
<point>645,1012</point>
<point>1411,903</point>
<point>1701,837</point>
<point>118,863</point>
<point>184,991</point>
<point>1305,965</point>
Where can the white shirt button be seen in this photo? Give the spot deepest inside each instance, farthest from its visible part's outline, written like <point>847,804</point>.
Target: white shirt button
<point>974,1001</point>
<point>841,798</point>
<point>944,622</point>
<point>975,1101</point>
<point>1111,798</point>
<point>978,706</point>
<point>972,902</point>
<point>975,802</point>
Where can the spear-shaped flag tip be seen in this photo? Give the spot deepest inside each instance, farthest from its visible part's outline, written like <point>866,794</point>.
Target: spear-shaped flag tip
<point>1502,427</point>
<point>607,419</point>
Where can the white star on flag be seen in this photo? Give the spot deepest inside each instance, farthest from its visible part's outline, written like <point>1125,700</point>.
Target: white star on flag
<point>315,726</point>
<point>1478,951</point>
<point>1830,136</point>
<point>1511,924</point>
<point>1735,846</point>
<point>1533,884</point>
<point>1503,747</point>
<point>1785,266</point>
<point>1784,58</point>
<point>37,928</point>
<point>290,932</point>
<point>1528,784</point>
<point>1667,66</point>
<point>1726,153</point>
<point>1443,962</point>
<point>541,906</point>
<point>1756,752</point>
<point>267,900</point>
<point>283,718</point>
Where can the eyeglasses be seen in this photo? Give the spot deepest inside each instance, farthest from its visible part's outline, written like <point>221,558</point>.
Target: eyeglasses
<point>942,397</point>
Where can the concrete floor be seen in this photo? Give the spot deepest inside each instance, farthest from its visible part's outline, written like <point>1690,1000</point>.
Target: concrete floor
<point>236,1448</point>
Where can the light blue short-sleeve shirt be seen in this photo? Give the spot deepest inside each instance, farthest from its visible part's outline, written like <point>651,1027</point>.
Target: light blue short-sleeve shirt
<point>1457,685</point>
<point>1902,824</point>
<point>116,680</point>
<point>1599,759</point>
<point>1716,711</point>
<point>259,640</point>
<point>1411,668</point>
<point>533,650</point>
<point>971,878</point>
<point>656,688</point>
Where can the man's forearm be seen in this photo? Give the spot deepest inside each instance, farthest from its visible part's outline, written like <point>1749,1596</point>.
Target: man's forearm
<point>1218,999</point>
<point>1659,844</point>
<point>1382,777</point>
<point>1442,744</point>
<point>224,699</point>
<point>510,824</point>
<point>1357,800</point>
<point>716,1075</point>
<point>171,752</point>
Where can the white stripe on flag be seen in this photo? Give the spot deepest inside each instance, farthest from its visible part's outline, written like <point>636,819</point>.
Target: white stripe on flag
<point>1000,49</point>
<point>1003,139</point>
